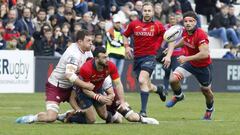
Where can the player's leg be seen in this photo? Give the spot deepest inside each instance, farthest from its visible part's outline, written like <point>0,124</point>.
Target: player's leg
<point>132,116</point>
<point>204,77</point>
<point>179,73</point>
<point>103,113</point>
<point>55,96</point>
<point>207,92</point>
<point>88,116</point>
<point>143,68</point>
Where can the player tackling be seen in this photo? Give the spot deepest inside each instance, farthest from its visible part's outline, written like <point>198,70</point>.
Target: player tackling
<point>62,79</point>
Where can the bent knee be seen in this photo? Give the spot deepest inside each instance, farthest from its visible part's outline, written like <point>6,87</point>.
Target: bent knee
<point>175,78</point>
<point>91,121</point>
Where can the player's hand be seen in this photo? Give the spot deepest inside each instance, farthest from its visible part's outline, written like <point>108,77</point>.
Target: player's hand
<point>105,100</point>
<point>122,106</point>
<point>90,86</point>
<point>129,53</point>
<point>182,59</point>
<point>166,61</point>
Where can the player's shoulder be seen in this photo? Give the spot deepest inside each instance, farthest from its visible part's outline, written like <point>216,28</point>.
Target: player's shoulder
<point>200,31</point>
<point>111,65</point>
<point>87,66</point>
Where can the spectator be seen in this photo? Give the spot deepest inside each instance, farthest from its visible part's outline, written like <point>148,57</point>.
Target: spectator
<point>69,18</point>
<point>158,13</point>
<point>50,12</point>
<point>26,23</point>
<point>220,28</point>
<point>98,40</point>
<point>171,6</point>
<point>60,14</point>
<point>45,4</point>
<point>20,6</point>
<point>185,6</point>
<point>12,44</point>
<point>80,7</point>
<point>40,19</point>
<point>206,7</point>
<point>138,7</point>
<point>12,17</point>
<point>45,46</point>
<point>230,54</point>
<point>233,20</point>
<point>3,11</point>
<point>24,41</point>
<point>10,32</point>
<point>86,22</point>
<point>115,47</point>
<point>53,21</point>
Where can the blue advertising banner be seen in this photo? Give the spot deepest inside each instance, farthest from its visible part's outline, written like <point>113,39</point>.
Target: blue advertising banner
<point>226,75</point>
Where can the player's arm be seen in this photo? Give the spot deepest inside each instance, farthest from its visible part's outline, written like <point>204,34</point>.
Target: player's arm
<point>171,46</point>
<point>98,97</point>
<point>119,89</point>
<point>128,49</point>
<point>71,75</point>
<point>202,54</point>
<point>73,101</point>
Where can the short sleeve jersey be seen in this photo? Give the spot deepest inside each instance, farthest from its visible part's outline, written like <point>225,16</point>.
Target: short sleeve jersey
<point>191,44</point>
<point>147,36</point>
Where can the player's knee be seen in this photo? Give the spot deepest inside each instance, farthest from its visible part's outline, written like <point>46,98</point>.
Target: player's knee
<point>91,120</point>
<point>175,78</point>
<point>207,91</point>
<point>142,81</point>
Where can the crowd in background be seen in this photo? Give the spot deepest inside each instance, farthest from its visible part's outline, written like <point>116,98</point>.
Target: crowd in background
<point>48,26</point>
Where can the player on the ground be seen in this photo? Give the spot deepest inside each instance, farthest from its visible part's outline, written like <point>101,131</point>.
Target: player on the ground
<point>197,62</point>
<point>62,79</point>
<point>97,71</point>
<point>148,36</point>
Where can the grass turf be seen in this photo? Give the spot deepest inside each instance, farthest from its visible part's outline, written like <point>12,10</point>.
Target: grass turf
<point>183,119</point>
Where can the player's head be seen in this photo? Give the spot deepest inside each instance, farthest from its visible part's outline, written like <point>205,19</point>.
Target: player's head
<point>190,21</point>
<point>147,11</point>
<point>85,40</point>
<point>100,56</point>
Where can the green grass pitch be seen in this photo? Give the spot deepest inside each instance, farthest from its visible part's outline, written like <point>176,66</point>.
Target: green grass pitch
<point>183,119</point>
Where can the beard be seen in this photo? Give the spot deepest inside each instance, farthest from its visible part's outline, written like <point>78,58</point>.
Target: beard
<point>147,18</point>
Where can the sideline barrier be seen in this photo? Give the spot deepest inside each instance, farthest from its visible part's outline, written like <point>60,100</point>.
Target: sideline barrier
<point>16,71</point>
<point>226,75</point>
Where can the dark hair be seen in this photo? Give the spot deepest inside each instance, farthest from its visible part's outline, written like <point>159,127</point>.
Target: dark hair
<point>190,14</point>
<point>98,49</point>
<point>148,4</point>
<point>82,33</point>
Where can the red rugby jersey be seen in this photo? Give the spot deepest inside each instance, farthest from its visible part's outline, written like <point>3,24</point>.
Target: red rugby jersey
<point>148,36</point>
<point>89,73</point>
<point>191,44</point>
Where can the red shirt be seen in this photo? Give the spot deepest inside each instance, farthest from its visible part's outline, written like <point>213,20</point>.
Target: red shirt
<point>147,36</point>
<point>89,73</point>
<point>191,44</point>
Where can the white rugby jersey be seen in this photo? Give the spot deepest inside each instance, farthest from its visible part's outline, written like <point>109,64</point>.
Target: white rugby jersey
<point>73,55</point>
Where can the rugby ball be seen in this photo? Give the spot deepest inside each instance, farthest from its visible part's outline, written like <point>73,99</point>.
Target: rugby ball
<point>173,33</point>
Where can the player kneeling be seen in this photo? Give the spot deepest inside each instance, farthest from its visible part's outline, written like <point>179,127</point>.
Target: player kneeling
<point>115,110</point>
